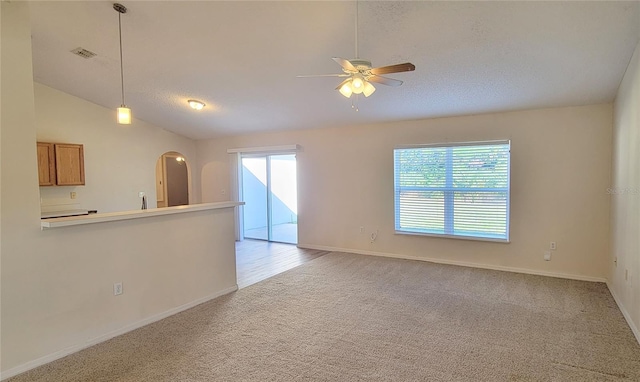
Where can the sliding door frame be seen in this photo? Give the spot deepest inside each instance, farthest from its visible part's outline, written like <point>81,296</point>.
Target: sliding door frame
<point>236,179</point>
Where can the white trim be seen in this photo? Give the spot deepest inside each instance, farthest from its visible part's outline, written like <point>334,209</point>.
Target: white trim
<point>444,236</point>
<point>453,144</point>
<point>96,340</point>
<point>136,214</point>
<point>265,149</point>
<point>455,262</point>
<point>626,314</point>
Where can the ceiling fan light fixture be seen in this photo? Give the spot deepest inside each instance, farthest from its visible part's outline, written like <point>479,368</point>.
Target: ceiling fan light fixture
<point>124,115</point>
<point>195,104</point>
<point>357,84</point>
<point>359,73</point>
<point>368,89</point>
<point>346,90</point>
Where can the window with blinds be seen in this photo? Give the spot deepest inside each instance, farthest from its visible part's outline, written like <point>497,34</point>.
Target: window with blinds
<point>453,190</point>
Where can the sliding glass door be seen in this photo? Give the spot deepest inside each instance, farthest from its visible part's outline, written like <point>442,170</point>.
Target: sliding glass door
<point>254,193</point>
<point>269,190</point>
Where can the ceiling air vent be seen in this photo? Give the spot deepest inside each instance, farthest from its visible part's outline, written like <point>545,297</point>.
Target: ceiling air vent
<point>83,53</point>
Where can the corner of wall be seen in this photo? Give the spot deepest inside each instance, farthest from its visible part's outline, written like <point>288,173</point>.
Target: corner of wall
<point>624,266</point>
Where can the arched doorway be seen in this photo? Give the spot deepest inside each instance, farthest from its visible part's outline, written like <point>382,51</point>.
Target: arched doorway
<point>172,180</point>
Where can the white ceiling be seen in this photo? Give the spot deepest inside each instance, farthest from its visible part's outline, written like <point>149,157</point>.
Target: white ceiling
<point>241,58</point>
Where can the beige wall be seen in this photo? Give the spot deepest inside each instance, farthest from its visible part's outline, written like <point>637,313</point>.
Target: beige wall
<point>560,172</point>
<point>625,206</point>
<point>57,285</point>
<point>120,160</point>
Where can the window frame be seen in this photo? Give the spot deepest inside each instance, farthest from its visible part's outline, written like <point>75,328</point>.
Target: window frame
<point>396,194</point>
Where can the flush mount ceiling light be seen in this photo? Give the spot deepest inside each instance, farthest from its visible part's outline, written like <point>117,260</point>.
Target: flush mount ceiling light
<point>124,113</point>
<point>195,104</point>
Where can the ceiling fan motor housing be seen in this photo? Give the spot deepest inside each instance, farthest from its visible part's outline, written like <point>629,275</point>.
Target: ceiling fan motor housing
<point>361,65</point>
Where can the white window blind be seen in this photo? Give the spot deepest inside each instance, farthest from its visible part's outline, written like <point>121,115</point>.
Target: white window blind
<point>456,190</point>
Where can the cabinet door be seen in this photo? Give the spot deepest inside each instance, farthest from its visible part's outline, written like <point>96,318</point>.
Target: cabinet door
<point>69,164</point>
<point>46,164</point>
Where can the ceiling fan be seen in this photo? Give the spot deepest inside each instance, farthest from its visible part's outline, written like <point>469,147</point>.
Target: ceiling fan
<point>359,74</point>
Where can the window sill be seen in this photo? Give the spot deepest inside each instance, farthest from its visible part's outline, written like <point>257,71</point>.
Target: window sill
<point>471,238</point>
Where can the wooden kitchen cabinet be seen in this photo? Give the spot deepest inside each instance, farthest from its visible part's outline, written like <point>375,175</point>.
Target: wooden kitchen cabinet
<point>46,164</point>
<point>60,164</point>
<point>69,164</point>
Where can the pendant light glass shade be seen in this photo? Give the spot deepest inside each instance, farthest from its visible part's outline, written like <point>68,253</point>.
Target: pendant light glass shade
<point>368,89</point>
<point>124,115</point>
<point>345,89</point>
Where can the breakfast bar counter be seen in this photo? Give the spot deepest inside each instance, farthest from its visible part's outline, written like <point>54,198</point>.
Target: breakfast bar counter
<point>135,214</point>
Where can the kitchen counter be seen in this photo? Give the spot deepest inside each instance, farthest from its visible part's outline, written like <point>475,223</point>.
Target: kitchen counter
<point>127,215</point>
<point>63,213</point>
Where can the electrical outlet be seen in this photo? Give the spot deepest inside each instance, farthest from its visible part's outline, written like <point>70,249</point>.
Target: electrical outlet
<point>223,191</point>
<point>374,235</point>
<point>72,195</point>
<point>117,289</point>
<point>552,246</point>
<point>361,229</point>
<point>547,255</point>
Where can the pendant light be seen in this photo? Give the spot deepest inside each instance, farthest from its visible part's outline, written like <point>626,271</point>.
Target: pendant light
<point>124,113</point>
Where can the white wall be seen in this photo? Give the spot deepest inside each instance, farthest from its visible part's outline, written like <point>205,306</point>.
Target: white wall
<point>625,200</point>
<point>56,285</point>
<point>120,160</point>
<point>560,173</point>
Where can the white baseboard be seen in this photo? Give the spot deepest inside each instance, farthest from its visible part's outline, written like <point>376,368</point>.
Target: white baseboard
<point>626,314</point>
<point>94,341</point>
<point>460,263</point>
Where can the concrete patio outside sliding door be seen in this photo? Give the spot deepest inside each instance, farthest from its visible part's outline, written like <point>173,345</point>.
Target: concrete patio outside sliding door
<point>269,189</point>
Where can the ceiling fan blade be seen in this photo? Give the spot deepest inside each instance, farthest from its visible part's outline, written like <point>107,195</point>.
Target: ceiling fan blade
<point>406,67</point>
<point>345,64</point>
<point>342,83</point>
<point>384,80</point>
<point>323,75</point>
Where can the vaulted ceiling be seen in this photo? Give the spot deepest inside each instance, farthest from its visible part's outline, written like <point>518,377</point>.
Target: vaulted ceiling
<point>241,58</point>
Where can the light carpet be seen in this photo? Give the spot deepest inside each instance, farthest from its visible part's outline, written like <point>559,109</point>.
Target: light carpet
<point>345,317</point>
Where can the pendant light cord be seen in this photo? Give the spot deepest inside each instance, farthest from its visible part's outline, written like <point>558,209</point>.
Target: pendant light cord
<point>121,66</point>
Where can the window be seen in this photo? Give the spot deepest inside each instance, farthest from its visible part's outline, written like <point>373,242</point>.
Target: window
<point>453,190</point>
